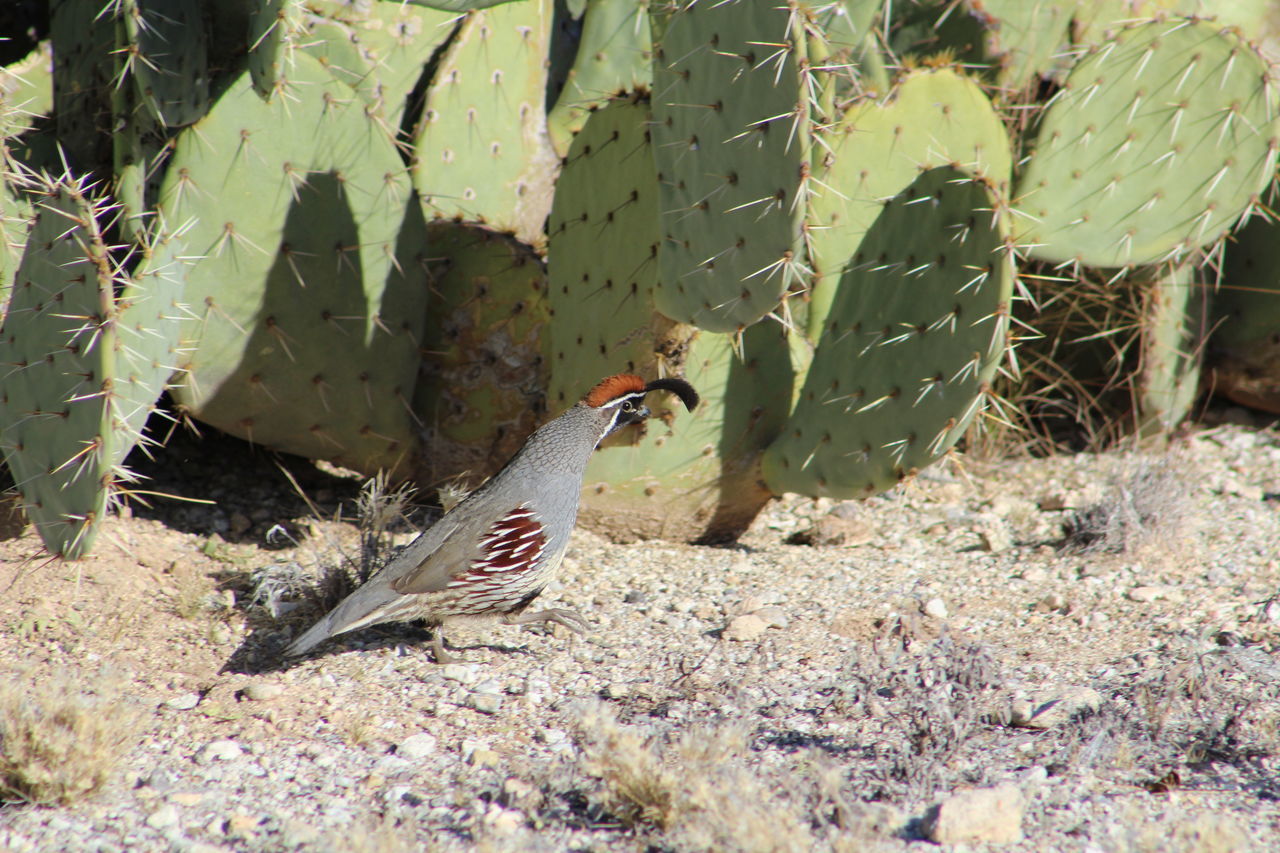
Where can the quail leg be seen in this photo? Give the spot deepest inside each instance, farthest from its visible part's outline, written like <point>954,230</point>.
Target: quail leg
<point>437,647</point>
<point>567,618</point>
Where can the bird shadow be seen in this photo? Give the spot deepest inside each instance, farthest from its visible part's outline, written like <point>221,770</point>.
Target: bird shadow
<point>262,651</point>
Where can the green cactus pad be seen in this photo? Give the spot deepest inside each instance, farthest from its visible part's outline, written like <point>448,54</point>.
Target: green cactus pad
<point>166,54</point>
<point>1159,141</point>
<point>731,139</point>
<point>83,70</point>
<point>479,395</point>
<point>933,118</point>
<point>602,259</point>
<point>308,295</point>
<point>1174,329</point>
<point>380,51</point>
<point>83,369</point>
<point>275,31</point>
<point>26,90</point>
<point>614,55</point>
<point>695,476</point>
<point>482,153</point>
<point>912,339</point>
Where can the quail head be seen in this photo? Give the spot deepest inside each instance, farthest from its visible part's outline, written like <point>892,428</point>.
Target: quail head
<point>492,554</point>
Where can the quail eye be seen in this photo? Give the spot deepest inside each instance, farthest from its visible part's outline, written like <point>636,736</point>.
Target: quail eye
<point>628,406</point>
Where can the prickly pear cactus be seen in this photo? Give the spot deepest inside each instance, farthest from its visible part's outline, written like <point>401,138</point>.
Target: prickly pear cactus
<point>165,54</point>
<point>1174,330</point>
<point>380,50</point>
<point>1160,139</point>
<point>602,259</point>
<point>695,476</point>
<point>86,367</point>
<point>482,152</point>
<point>932,118</point>
<point>479,394</point>
<point>615,55</point>
<point>911,341</point>
<point>731,139</point>
<point>275,32</point>
<point>308,299</point>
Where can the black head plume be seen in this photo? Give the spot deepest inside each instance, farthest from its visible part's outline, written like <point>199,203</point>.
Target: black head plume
<point>679,387</point>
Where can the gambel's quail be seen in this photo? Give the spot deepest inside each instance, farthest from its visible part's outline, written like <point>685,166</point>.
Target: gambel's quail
<point>494,552</point>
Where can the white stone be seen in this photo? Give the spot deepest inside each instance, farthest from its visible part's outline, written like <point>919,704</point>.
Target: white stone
<point>264,691</point>
<point>990,815</point>
<point>1145,594</point>
<point>774,615</point>
<point>185,702</point>
<point>163,818</point>
<point>218,750</point>
<point>1046,709</point>
<point>935,607</point>
<point>418,746</point>
<point>745,628</point>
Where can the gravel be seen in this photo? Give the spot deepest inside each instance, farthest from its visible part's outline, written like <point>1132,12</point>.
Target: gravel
<point>872,687</point>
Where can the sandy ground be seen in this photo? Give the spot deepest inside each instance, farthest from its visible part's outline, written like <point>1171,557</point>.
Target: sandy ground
<point>772,695</point>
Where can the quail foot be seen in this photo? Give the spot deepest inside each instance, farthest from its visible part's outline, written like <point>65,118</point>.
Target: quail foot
<point>491,555</point>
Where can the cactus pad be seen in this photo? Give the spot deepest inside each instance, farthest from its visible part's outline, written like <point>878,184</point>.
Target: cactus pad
<point>602,260</point>
<point>482,152</point>
<point>1159,141</point>
<point>934,118</point>
<point>731,139</point>
<point>165,53</point>
<point>1174,329</point>
<point>83,369</point>
<point>914,335</point>
<point>614,55</point>
<point>1245,352</point>
<point>308,298</point>
<point>479,394</point>
<point>695,476</point>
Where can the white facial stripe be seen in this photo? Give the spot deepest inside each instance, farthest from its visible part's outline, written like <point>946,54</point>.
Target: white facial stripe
<point>634,396</point>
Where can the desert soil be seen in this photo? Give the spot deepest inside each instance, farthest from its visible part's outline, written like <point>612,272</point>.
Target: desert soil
<point>876,676</point>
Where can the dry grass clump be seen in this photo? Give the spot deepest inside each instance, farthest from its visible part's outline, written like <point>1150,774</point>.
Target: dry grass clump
<point>61,734</point>
<point>933,699</point>
<point>1147,504</point>
<point>697,790</point>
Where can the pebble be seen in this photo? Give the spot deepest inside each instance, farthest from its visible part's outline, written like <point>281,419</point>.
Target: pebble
<point>417,746</point>
<point>935,607</point>
<point>163,818</point>
<point>485,703</point>
<point>458,672</point>
<point>995,535</point>
<point>185,702</point>
<point>218,750</point>
<point>1053,602</point>
<point>978,815</point>
<point>745,628</point>
<point>1035,574</point>
<point>1145,594</point>
<point>264,691</point>
<point>774,615</point>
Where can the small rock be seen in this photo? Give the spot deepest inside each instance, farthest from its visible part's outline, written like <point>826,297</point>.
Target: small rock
<point>485,703</point>
<point>479,755</point>
<point>745,628</point>
<point>187,798</point>
<point>220,634</point>
<point>241,824</point>
<point>995,535</point>
<point>1035,574</point>
<point>163,818</point>
<point>264,691</point>
<point>935,607</point>
<point>458,672</point>
<point>833,530</point>
<point>418,746</point>
<point>1145,594</point>
<point>1055,502</point>
<point>517,789</point>
<point>239,523</point>
<point>218,750</point>
<point>1054,602</point>
<point>161,780</point>
<point>1271,611</point>
<point>774,615</point>
<point>1047,709</point>
<point>614,690</point>
<point>1207,833</point>
<point>635,596</point>
<point>185,702</point>
<point>991,815</point>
